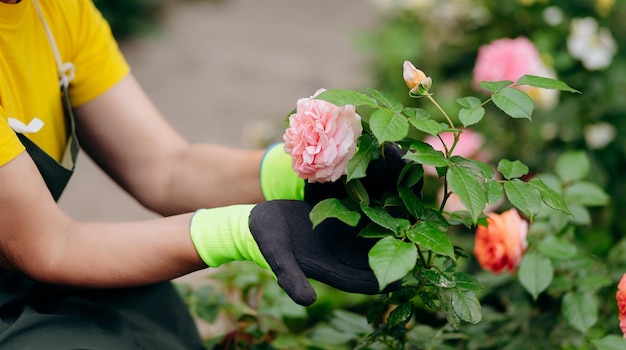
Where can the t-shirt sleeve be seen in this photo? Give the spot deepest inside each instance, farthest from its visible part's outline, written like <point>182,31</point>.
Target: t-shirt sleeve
<point>10,145</point>
<point>98,60</point>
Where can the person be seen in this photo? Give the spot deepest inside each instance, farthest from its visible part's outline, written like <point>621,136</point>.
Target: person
<point>65,284</point>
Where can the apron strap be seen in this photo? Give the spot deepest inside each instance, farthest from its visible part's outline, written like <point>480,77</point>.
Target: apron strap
<point>66,70</point>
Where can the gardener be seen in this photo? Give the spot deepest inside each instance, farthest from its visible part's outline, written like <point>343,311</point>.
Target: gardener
<point>66,284</point>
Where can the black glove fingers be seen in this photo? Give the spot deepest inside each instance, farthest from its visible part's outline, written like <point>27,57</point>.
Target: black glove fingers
<point>271,230</point>
<point>343,277</point>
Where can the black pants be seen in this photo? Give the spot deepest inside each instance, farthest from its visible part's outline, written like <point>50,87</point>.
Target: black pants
<point>36,316</point>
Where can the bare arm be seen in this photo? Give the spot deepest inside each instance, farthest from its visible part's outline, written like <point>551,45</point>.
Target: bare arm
<point>127,136</point>
<point>36,237</point>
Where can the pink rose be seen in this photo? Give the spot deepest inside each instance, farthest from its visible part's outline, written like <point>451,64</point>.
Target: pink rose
<point>621,303</point>
<point>500,245</point>
<point>509,59</point>
<point>321,138</point>
<point>470,146</point>
<point>506,59</point>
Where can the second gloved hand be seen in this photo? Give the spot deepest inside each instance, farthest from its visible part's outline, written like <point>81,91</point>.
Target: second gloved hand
<point>278,235</point>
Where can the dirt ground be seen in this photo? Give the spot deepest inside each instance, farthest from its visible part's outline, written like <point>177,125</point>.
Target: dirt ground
<point>218,70</point>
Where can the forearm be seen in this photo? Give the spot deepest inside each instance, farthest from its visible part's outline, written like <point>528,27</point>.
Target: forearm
<point>208,176</point>
<point>111,254</point>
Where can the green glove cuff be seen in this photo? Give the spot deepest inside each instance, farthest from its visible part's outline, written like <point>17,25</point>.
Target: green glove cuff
<point>222,235</point>
<point>278,179</point>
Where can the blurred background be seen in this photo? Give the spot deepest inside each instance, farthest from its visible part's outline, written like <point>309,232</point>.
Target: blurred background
<point>226,72</point>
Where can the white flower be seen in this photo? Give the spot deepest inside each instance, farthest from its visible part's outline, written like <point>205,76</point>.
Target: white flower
<point>553,15</point>
<point>599,135</point>
<point>593,46</point>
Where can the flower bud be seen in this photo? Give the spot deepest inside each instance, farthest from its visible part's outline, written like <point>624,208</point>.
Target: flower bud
<point>415,79</point>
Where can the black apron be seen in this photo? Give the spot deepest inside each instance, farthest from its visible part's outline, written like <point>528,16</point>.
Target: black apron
<point>39,316</point>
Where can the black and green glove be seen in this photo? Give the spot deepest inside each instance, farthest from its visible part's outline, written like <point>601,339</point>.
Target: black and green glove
<point>278,235</point>
<point>280,181</point>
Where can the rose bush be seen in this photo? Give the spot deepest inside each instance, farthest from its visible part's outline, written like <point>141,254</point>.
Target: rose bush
<point>321,138</point>
<point>573,266</point>
<point>410,241</point>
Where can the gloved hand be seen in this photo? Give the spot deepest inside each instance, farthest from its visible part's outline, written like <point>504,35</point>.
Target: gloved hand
<point>280,181</point>
<point>278,235</point>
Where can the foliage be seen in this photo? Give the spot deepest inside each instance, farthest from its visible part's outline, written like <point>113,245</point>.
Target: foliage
<point>582,269</point>
<point>130,17</point>
<point>444,37</point>
<point>562,295</point>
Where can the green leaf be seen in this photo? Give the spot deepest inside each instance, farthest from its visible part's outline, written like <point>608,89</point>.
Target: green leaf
<point>579,214</point>
<point>437,278</point>
<point>494,191</point>
<point>381,217</point>
<point>372,230</point>
<point>464,183</point>
<point>544,83</point>
<point>580,310</point>
<point>586,193</point>
<point>391,259</point>
<point>552,198</point>
<point>420,119</point>
<point>330,336</point>
<point>424,153</point>
<point>333,208</point>
<point>349,322</point>
<point>428,236</point>
<point>400,315</point>
<point>411,201</point>
<point>557,248</point>
<point>593,282</point>
<point>485,169</point>
<point>514,102</point>
<point>347,97</point>
<point>357,165</point>
<point>469,102</point>
<point>467,306</point>
<point>410,175</point>
<point>387,100</point>
<point>535,273</point>
<point>388,126</point>
<point>495,86</point>
<point>572,166</point>
<point>467,282</point>
<point>356,190</point>
<point>472,111</point>
<point>523,197</point>
<point>512,169</point>
<point>610,342</point>
<point>471,116</point>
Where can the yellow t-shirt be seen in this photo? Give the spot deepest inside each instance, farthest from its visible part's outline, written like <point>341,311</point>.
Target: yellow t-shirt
<point>29,84</point>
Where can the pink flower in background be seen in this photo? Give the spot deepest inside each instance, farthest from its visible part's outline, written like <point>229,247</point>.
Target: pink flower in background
<point>500,245</point>
<point>321,138</point>
<point>509,59</point>
<point>470,146</point>
<point>621,303</point>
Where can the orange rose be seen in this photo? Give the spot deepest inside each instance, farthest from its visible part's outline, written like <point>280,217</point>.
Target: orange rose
<point>621,303</point>
<point>500,245</point>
